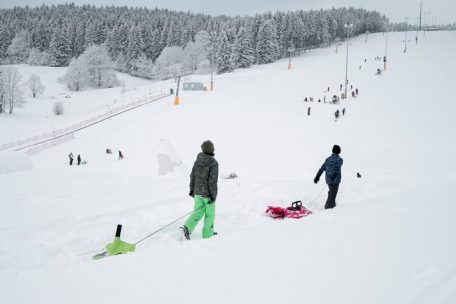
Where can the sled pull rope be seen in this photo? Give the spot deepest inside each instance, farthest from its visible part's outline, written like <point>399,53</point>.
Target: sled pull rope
<point>318,195</point>
<point>169,224</point>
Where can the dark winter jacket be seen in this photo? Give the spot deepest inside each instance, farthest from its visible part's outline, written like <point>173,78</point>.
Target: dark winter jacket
<point>332,167</point>
<point>204,176</point>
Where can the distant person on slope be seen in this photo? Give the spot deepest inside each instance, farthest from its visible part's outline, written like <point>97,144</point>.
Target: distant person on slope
<point>79,159</point>
<point>332,167</point>
<point>120,155</point>
<point>336,114</point>
<point>203,188</point>
<point>71,158</point>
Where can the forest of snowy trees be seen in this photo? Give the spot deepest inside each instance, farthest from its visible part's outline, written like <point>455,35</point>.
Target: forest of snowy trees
<point>158,43</point>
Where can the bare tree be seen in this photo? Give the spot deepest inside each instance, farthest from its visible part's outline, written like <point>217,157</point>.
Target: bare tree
<point>12,89</point>
<point>35,85</point>
<point>58,108</point>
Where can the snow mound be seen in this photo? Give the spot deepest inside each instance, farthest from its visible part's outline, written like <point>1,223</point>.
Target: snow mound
<point>14,161</point>
<point>168,160</point>
<point>164,161</point>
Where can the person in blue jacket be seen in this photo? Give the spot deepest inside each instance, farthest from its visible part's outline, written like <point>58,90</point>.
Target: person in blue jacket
<point>332,168</point>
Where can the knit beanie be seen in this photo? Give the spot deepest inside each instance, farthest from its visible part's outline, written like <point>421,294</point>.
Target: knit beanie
<point>208,147</point>
<point>336,149</point>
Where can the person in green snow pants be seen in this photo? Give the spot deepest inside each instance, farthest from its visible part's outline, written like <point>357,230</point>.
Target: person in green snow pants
<point>203,207</point>
<point>203,188</point>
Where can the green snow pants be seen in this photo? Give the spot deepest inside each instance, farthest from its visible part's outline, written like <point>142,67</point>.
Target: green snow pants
<point>203,207</point>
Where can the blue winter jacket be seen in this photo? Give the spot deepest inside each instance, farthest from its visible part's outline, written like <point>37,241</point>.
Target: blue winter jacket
<point>332,167</point>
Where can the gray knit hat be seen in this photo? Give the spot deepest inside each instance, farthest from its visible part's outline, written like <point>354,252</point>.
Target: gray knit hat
<point>208,147</point>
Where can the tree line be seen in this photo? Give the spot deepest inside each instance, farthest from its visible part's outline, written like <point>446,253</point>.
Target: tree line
<point>158,43</point>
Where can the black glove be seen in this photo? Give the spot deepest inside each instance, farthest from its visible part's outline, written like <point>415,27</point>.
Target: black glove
<point>211,200</point>
<point>191,193</point>
<point>316,179</point>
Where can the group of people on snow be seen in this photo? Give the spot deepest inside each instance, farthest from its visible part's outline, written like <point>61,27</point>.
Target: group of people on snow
<point>204,187</point>
<point>109,151</point>
<point>337,113</point>
<point>71,159</point>
<point>79,160</point>
<point>335,98</point>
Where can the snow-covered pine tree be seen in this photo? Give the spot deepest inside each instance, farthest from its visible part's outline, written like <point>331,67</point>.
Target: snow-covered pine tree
<point>155,49</point>
<point>135,47</point>
<point>122,39</point>
<point>148,40</point>
<point>42,36</point>
<point>96,33</point>
<point>111,45</point>
<point>242,51</point>
<point>175,31</point>
<point>187,36</point>
<point>257,22</point>
<point>266,48</point>
<point>4,41</point>
<point>60,48</point>
<point>224,57</point>
<point>79,39</point>
<point>323,29</point>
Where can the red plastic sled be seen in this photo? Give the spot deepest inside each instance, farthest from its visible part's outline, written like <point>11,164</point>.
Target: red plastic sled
<point>296,211</point>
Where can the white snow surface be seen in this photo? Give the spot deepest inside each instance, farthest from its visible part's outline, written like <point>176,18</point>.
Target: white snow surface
<point>389,240</point>
<point>12,161</point>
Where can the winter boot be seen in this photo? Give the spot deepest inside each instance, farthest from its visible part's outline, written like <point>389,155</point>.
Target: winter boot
<point>185,232</point>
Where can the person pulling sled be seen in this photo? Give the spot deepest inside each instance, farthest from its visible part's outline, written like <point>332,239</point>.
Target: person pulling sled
<point>203,188</point>
<point>332,168</point>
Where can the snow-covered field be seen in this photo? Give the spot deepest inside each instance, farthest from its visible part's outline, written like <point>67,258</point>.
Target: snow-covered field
<point>389,240</point>
<point>37,117</point>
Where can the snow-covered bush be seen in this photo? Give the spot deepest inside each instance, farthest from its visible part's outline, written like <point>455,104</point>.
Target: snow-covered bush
<point>142,67</point>
<point>99,67</point>
<point>35,85</point>
<point>169,63</point>
<point>196,52</point>
<point>18,48</point>
<point>76,77</point>
<point>36,57</point>
<point>58,108</point>
<point>93,68</point>
<point>204,67</point>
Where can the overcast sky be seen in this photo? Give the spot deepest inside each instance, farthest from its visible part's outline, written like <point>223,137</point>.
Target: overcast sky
<point>395,10</point>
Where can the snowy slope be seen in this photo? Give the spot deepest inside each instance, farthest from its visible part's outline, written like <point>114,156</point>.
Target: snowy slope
<point>37,117</point>
<point>388,241</point>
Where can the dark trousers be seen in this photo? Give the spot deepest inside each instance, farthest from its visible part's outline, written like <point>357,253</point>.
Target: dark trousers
<point>332,193</point>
